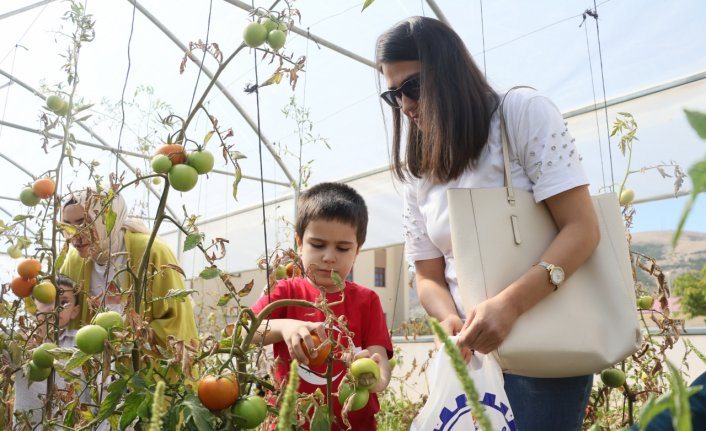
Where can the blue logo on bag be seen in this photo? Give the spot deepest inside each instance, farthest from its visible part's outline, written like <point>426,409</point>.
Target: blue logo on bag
<point>450,418</point>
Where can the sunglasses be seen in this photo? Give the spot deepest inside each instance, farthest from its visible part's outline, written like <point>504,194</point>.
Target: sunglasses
<point>409,88</point>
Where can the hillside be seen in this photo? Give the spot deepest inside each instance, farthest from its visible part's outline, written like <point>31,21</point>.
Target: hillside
<point>689,255</point>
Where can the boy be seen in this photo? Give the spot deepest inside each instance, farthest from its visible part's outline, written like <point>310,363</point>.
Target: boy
<point>331,225</point>
<point>29,396</point>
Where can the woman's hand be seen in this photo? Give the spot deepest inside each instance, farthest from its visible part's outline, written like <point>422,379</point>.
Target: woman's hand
<point>453,325</point>
<point>293,335</point>
<point>487,325</point>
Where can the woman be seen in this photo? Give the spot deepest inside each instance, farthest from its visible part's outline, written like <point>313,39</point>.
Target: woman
<point>453,140</point>
<point>100,254</point>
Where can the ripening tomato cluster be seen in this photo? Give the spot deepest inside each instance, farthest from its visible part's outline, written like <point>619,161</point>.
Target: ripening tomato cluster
<point>221,392</point>
<point>183,168</point>
<point>42,188</point>
<point>25,283</point>
<point>269,30</point>
<point>365,374</point>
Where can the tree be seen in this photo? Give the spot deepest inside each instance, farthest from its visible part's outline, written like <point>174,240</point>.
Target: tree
<point>691,290</point>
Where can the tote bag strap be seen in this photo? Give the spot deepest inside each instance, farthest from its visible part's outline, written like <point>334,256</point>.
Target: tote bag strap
<point>505,147</point>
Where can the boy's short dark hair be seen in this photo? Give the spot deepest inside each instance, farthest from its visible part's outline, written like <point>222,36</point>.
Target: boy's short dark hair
<point>332,201</point>
<point>65,281</point>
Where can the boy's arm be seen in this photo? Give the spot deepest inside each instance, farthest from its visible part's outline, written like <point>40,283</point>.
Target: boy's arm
<point>379,355</point>
<point>291,332</point>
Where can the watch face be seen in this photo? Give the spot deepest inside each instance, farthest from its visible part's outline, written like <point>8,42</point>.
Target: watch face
<point>557,275</point>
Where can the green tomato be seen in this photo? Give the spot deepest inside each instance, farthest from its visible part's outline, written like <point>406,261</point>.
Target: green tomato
<point>45,292</point>
<point>269,24</point>
<point>161,164</point>
<point>645,302</point>
<point>90,339</point>
<point>613,377</point>
<point>202,161</point>
<point>626,196</point>
<point>366,373</point>
<point>41,357</point>
<point>108,319</point>
<point>276,39</point>
<point>255,34</point>
<point>14,252</point>
<point>56,104</point>
<point>281,272</point>
<point>37,373</point>
<point>183,177</point>
<point>361,396</point>
<point>156,181</point>
<point>28,198</point>
<point>249,412</point>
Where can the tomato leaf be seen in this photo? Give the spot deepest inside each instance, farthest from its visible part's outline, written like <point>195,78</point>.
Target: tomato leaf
<point>177,294</point>
<point>22,217</point>
<point>246,289</point>
<point>70,416</point>
<point>238,177</point>
<point>129,410</point>
<point>207,138</point>
<point>697,121</point>
<point>210,272</point>
<point>192,240</point>
<point>195,412</point>
<point>366,4</point>
<point>62,256</point>
<point>110,402</point>
<point>223,300</point>
<point>76,360</point>
<point>320,421</point>
<point>110,218</point>
<point>698,180</point>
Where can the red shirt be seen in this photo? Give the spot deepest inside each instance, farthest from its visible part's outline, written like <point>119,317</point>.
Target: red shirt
<point>365,320</point>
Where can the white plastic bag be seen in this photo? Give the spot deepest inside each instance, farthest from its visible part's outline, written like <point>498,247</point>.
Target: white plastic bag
<point>447,408</point>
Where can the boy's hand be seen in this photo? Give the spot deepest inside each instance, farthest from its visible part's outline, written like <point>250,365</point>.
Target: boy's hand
<point>296,334</point>
<point>379,355</point>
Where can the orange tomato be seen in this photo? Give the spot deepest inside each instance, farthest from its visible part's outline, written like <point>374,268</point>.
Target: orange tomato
<point>29,268</point>
<point>22,287</point>
<point>293,270</point>
<point>218,392</point>
<point>44,188</point>
<point>175,152</point>
<point>321,354</point>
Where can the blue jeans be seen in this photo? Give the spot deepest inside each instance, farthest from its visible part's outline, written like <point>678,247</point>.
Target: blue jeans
<point>542,404</point>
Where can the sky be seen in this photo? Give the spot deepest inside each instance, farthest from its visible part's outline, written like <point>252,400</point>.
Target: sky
<point>633,46</point>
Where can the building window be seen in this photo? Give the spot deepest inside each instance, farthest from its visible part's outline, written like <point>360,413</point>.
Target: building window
<point>379,277</point>
<point>380,264</point>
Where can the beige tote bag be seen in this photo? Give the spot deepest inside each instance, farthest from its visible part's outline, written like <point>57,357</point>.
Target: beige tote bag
<point>589,323</point>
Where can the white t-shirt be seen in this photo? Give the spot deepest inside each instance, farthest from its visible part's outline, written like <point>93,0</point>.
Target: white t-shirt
<point>543,160</point>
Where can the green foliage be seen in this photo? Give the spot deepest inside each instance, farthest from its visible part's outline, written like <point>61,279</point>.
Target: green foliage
<point>691,290</point>
<point>697,172</point>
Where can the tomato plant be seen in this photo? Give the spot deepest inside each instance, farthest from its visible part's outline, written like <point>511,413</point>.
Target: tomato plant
<point>175,152</point>
<point>44,292</point>
<point>249,412</point>
<point>321,353</point>
<point>276,39</point>
<point>361,396</point>
<point>29,268</point>
<point>108,319</point>
<point>37,373</point>
<point>55,103</point>
<point>255,34</point>
<point>22,287</point>
<point>202,161</point>
<point>28,198</point>
<point>44,188</point>
<point>90,339</point>
<point>41,357</point>
<point>161,164</point>
<point>366,372</point>
<point>218,392</point>
<point>613,377</point>
<point>183,177</point>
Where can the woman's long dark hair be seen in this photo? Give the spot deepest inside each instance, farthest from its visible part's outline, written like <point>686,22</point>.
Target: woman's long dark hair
<point>456,101</point>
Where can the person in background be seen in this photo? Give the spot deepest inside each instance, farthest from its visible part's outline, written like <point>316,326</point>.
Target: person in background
<point>446,134</point>
<point>331,226</point>
<point>98,257</point>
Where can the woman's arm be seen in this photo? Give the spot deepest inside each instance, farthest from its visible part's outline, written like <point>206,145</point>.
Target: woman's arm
<point>489,323</point>
<point>434,294</point>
